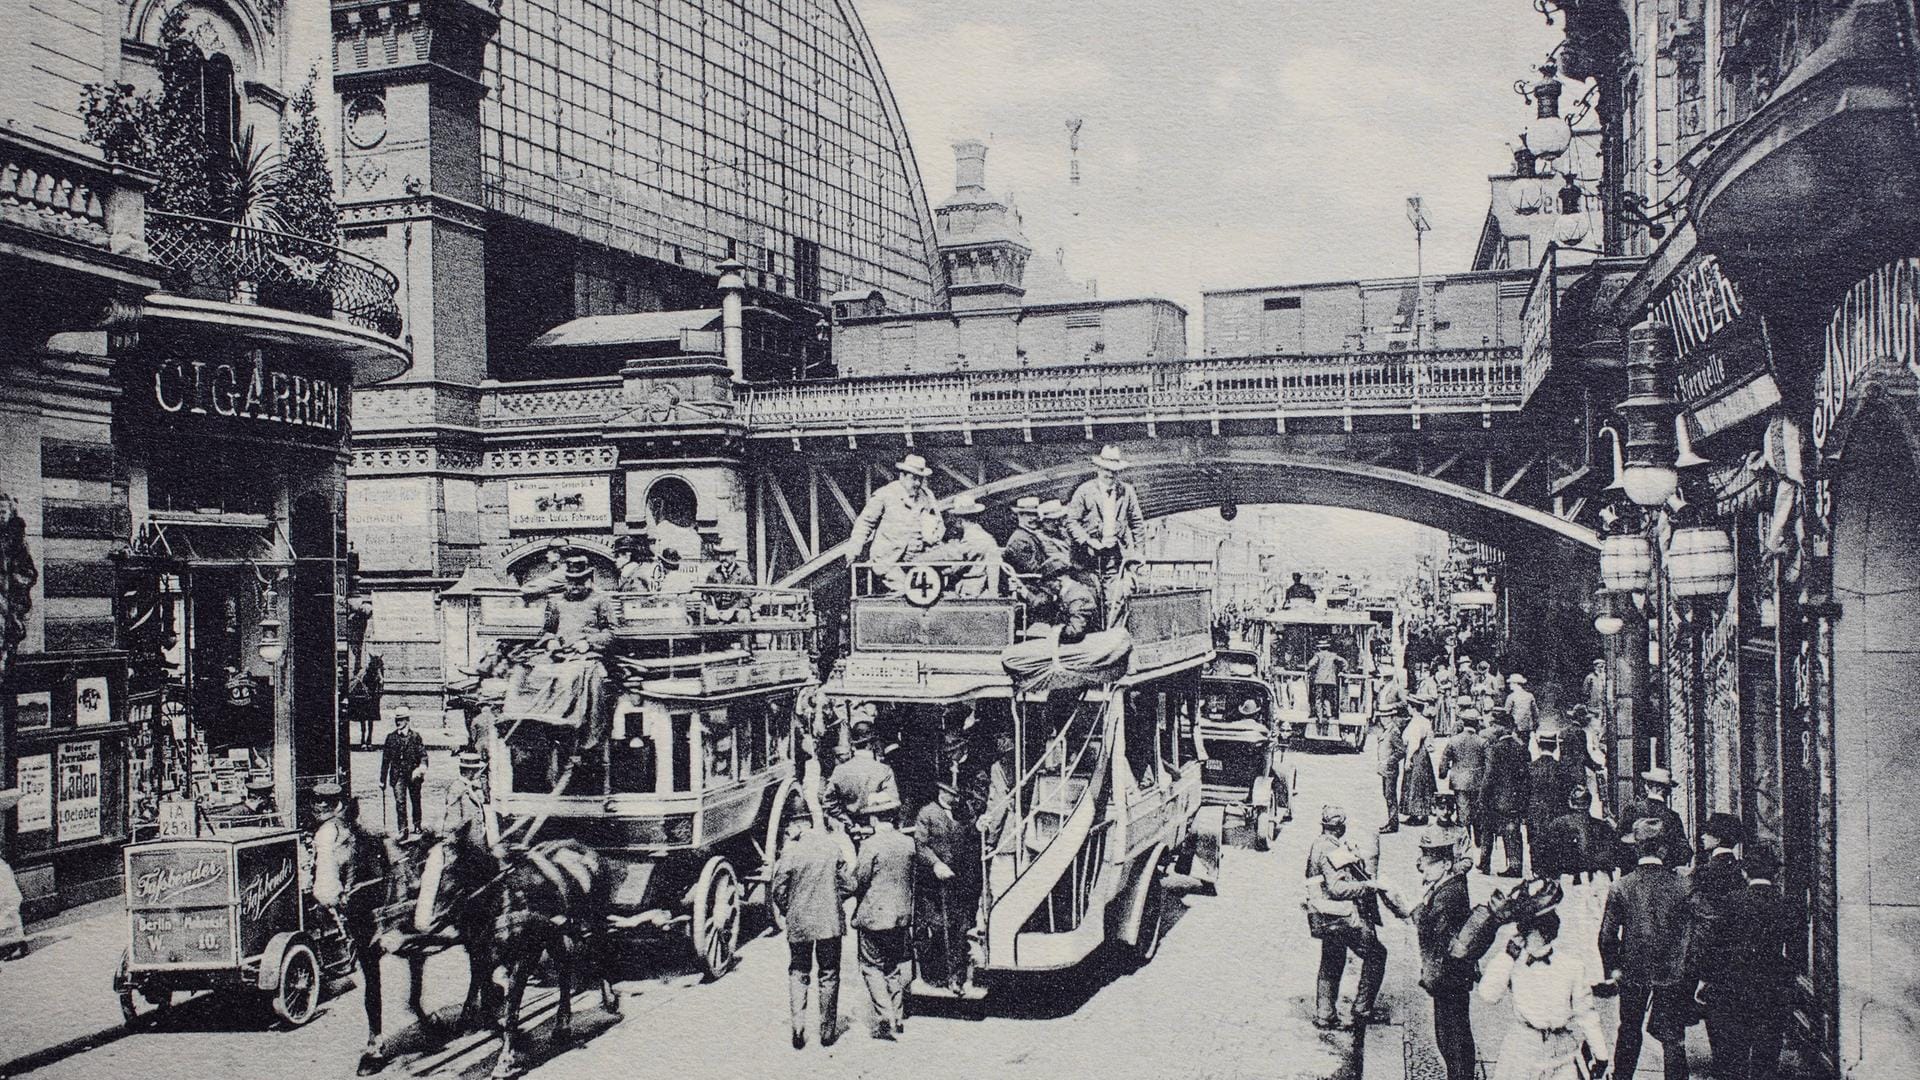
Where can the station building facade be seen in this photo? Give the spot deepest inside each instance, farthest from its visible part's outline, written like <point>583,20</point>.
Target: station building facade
<point>564,189</point>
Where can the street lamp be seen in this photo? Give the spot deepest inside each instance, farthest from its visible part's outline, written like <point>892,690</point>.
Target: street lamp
<point>1548,134</point>
<point>1649,478</point>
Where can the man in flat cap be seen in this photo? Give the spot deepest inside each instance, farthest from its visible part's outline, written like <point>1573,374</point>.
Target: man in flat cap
<point>1343,911</point>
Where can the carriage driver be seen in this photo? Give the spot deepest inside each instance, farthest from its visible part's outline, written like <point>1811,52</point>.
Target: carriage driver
<point>350,866</point>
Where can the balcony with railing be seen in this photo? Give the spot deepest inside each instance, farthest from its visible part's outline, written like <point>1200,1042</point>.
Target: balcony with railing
<point>280,287</point>
<point>77,221</point>
<point>1236,388</point>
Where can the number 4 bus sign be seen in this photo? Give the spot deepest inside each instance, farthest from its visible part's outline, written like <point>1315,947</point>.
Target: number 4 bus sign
<point>924,586</point>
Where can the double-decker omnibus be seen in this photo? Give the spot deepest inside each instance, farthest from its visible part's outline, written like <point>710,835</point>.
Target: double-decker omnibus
<point>1099,798</point>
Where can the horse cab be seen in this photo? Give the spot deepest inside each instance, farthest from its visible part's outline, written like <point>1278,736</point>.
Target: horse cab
<point>682,787</point>
<point>1238,732</point>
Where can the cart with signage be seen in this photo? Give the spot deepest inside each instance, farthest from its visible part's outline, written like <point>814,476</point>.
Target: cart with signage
<point>226,913</point>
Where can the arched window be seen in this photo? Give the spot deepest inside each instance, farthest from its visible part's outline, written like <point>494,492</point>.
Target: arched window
<point>219,103</point>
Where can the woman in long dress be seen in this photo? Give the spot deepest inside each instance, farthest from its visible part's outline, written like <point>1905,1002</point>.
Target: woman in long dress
<point>1416,796</point>
<point>1557,1029</point>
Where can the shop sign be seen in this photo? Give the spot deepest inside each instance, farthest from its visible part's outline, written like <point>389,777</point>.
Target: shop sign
<point>1877,324</point>
<point>392,521</point>
<point>34,776</point>
<point>254,397</point>
<point>1724,363</point>
<point>77,795</point>
<point>1536,324</point>
<point>559,502</point>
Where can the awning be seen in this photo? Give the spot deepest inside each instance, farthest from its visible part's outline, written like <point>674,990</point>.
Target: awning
<point>633,328</point>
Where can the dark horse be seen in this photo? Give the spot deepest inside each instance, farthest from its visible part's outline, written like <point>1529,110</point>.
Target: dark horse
<point>401,933</point>
<point>512,908</point>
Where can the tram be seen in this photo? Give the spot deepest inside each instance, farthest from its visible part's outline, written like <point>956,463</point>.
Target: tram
<point>1097,796</point>
<point>685,795</point>
<point>1287,638</point>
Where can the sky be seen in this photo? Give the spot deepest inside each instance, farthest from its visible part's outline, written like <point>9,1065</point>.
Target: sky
<point>1225,143</point>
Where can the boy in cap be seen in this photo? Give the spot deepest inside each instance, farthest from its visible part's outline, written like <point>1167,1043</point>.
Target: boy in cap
<point>1344,913</point>
<point>942,909</point>
<point>808,885</point>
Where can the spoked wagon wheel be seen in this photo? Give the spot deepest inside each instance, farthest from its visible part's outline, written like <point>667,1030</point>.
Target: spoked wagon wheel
<point>775,842</point>
<point>140,1006</point>
<point>298,996</point>
<point>715,927</point>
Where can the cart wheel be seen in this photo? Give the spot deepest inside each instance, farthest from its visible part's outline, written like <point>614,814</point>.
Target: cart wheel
<point>776,840</point>
<point>1263,830</point>
<point>140,1006</point>
<point>715,927</point>
<point>297,997</point>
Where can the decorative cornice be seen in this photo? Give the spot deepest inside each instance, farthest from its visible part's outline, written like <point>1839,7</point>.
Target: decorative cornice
<point>435,208</point>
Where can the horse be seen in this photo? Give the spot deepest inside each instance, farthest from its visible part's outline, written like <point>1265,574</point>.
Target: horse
<point>366,874</point>
<point>514,907</point>
<point>399,935</point>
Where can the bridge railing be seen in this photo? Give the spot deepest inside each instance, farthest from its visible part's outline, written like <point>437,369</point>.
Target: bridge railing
<point>1452,380</point>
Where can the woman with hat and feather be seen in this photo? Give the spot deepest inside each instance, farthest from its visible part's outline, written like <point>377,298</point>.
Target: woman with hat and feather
<point>1557,1034</point>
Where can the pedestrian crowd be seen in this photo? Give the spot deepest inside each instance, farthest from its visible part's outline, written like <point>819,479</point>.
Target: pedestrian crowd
<point>1688,933</point>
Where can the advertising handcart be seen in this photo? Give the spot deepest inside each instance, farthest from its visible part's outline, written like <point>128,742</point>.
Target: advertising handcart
<point>226,913</point>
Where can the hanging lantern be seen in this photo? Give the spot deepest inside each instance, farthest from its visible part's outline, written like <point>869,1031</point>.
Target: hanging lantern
<point>1608,625</point>
<point>1626,563</point>
<point>1700,561</point>
<point>272,645</point>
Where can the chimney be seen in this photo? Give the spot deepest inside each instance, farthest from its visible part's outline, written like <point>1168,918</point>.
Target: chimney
<point>969,164</point>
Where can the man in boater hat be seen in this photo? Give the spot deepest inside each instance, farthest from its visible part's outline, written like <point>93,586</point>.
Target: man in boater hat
<point>1104,518</point>
<point>901,520</point>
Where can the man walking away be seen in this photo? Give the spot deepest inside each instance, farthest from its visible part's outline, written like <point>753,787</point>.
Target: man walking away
<point>1505,797</point>
<point>1463,765</point>
<point>1594,688</point>
<point>1344,913</point>
<point>1641,943</point>
<point>1323,670</point>
<point>858,779</point>
<point>807,888</point>
<point>403,771</point>
<point>1442,910</point>
<point>881,884</point>
<point>1721,927</point>
<point>1522,707</point>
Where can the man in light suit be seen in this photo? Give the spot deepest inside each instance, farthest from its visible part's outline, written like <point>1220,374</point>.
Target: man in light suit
<point>901,520</point>
<point>807,888</point>
<point>1104,519</point>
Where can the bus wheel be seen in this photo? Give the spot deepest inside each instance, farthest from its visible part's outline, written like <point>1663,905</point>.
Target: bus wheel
<point>1152,916</point>
<point>715,926</point>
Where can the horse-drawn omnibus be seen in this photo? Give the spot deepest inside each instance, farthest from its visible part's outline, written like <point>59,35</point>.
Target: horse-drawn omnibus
<point>684,791</point>
<point>1098,797</point>
<point>1287,639</point>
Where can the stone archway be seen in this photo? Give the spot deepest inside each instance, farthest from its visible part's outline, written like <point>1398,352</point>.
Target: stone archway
<point>1876,752</point>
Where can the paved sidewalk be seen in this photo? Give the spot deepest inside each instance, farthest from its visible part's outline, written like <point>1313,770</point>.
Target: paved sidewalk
<point>59,999</point>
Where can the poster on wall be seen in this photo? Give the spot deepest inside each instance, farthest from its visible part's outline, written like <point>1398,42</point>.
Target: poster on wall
<point>392,522</point>
<point>35,780</point>
<point>77,793</point>
<point>33,709</point>
<point>90,704</point>
<point>559,502</point>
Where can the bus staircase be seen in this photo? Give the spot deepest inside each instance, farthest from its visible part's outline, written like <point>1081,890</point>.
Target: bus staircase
<point>1041,877</point>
